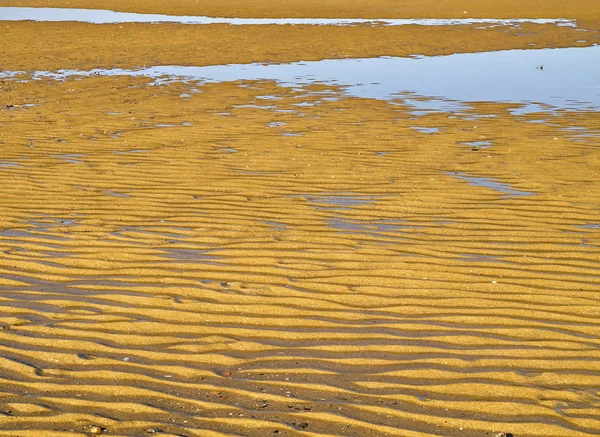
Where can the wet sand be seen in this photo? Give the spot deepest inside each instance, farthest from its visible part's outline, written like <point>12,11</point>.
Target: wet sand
<point>246,258</point>
<point>582,9</point>
<point>52,46</point>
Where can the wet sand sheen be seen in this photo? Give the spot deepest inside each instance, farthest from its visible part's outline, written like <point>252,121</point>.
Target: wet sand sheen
<point>246,258</point>
<point>467,302</point>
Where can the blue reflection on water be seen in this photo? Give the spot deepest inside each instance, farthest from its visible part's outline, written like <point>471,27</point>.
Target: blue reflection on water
<point>570,78</point>
<point>101,16</point>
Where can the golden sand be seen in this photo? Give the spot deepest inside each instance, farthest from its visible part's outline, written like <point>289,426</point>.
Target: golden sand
<point>178,266</point>
<point>53,46</point>
<point>581,9</point>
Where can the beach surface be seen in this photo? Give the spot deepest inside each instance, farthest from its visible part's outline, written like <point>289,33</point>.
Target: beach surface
<point>393,232</point>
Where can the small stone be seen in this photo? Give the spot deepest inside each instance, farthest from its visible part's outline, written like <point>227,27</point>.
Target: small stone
<point>502,434</point>
<point>96,430</point>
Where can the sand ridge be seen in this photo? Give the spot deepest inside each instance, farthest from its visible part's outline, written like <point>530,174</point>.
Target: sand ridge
<point>54,46</point>
<point>581,9</point>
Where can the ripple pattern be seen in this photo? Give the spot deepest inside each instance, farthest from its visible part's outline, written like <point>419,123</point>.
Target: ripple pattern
<point>337,283</point>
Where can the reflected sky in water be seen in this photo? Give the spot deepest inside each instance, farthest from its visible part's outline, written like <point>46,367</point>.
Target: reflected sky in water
<point>101,16</point>
<point>569,79</point>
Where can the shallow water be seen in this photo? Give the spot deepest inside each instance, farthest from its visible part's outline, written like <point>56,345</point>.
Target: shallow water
<point>484,182</point>
<point>569,80</point>
<point>426,130</point>
<point>477,144</point>
<point>340,201</point>
<point>364,227</point>
<point>100,16</point>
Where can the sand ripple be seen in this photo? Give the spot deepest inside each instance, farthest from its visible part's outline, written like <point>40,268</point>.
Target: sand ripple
<point>338,283</point>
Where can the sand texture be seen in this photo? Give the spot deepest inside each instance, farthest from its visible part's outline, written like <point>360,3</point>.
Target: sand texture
<point>249,259</point>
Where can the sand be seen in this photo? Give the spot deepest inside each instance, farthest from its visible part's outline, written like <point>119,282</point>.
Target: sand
<point>581,9</point>
<point>181,266</point>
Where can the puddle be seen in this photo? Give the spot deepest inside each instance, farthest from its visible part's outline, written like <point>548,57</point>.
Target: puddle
<point>276,124</point>
<point>590,226</point>
<point>476,181</point>
<point>114,193</point>
<point>9,164</point>
<point>51,222</point>
<point>363,227</point>
<point>476,117</point>
<point>425,106</point>
<point>128,152</point>
<point>185,123</point>
<point>477,144</point>
<point>581,133</point>
<point>29,233</point>
<point>56,254</point>
<point>567,81</point>
<point>228,150</point>
<point>426,130</point>
<point>531,108</point>
<point>293,134</point>
<point>473,257</point>
<point>101,16</point>
<point>256,106</point>
<point>191,256</point>
<point>70,158</point>
<point>24,107</point>
<point>43,227</point>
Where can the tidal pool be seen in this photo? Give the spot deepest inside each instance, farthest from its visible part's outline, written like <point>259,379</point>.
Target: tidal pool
<point>569,80</point>
<point>101,16</point>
